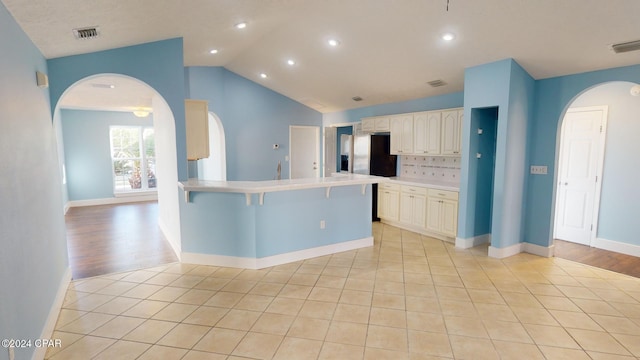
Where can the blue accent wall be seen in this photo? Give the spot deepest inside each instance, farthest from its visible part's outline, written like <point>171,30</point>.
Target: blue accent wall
<point>87,150</point>
<point>553,97</point>
<point>222,223</point>
<point>33,259</point>
<point>452,100</point>
<point>158,64</point>
<point>506,85</point>
<point>254,118</point>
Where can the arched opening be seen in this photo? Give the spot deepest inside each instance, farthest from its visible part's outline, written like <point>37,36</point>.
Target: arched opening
<point>109,100</point>
<point>596,199</point>
<point>215,166</point>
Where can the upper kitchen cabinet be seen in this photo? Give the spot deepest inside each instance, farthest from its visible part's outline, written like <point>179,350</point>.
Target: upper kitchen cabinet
<point>427,133</point>
<point>402,134</point>
<point>451,131</point>
<point>376,124</point>
<point>197,124</point>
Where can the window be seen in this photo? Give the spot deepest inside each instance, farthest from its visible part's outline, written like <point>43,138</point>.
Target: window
<point>133,157</point>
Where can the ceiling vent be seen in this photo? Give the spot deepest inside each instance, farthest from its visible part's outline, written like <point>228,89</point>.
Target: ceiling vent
<point>356,98</point>
<point>86,33</point>
<point>626,47</point>
<point>436,83</point>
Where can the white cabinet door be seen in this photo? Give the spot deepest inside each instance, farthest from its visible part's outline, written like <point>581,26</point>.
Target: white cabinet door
<point>396,136</point>
<point>406,208</point>
<point>449,213</point>
<point>434,214</point>
<point>451,131</point>
<point>433,133</point>
<point>407,134</point>
<point>427,134</point>
<point>420,133</point>
<point>197,128</point>
<point>382,124</point>
<point>388,203</point>
<point>419,206</point>
<point>368,124</point>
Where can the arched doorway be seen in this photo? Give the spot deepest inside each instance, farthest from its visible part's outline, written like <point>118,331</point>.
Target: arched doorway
<point>119,96</point>
<point>614,177</point>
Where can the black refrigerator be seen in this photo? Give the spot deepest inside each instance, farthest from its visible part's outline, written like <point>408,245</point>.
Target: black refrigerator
<point>372,156</point>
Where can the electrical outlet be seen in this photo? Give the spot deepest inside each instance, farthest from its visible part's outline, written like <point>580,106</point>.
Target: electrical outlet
<point>538,169</point>
<point>322,224</point>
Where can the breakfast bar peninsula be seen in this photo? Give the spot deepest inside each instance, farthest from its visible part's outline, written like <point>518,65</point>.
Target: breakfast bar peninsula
<point>258,224</point>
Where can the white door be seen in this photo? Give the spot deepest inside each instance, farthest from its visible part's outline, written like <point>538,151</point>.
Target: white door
<point>304,154</point>
<point>580,167</point>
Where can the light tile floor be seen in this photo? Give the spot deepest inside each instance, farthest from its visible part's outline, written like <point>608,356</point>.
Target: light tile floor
<point>407,297</point>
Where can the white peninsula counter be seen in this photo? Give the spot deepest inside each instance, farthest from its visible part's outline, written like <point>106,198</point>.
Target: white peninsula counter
<point>257,224</point>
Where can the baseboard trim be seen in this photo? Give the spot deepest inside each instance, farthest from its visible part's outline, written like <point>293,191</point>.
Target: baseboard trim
<point>501,253</point>
<point>617,246</point>
<point>54,312</point>
<point>174,243</point>
<point>113,200</point>
<point>261,263</point>
<point>544,251</point>
<point>473,241</point>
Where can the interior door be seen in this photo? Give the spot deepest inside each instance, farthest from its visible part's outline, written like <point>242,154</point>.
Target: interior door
<point>304,154</point>
<point>581,145</point>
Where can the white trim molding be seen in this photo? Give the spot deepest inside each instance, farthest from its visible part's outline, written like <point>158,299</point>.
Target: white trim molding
<point>114,200</point>
<point>54,312</point>
<point>544,251</point>
<point>173,241</point>
<point>261,263</point>
<point>617,246</point>
<point>468,243</point>
<point>501,253</point>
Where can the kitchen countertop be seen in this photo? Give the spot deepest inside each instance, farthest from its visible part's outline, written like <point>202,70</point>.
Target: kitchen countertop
<point>440,185</point>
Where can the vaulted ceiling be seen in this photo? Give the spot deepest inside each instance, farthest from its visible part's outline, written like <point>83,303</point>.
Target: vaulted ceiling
<point>388,49</point>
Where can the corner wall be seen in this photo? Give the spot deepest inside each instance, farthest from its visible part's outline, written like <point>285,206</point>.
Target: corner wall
<point>33,259</point>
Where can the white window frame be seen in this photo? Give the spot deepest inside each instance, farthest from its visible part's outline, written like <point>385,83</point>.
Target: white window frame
<point>144,188</point>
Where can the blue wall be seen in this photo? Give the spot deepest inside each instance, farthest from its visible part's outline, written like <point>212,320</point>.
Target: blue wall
<point>33,259</point>
<point>87,150</point>
<point>254,118</point>
<point>452,100</point>
<point>553,97</point>
<point>485,143</point>
<point>222,223</point>
<point>503,84</point>
<point>159,64</point>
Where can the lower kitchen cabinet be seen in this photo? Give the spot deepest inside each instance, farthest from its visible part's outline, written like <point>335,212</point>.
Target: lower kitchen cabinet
<point>442,212</point>
<point>413,201</point>
<point>388,202</point>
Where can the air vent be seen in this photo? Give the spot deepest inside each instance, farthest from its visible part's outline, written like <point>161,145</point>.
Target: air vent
<point>356,98</point>
<point>86,33</point>
<point>626,47</point>
<point>436,83</point>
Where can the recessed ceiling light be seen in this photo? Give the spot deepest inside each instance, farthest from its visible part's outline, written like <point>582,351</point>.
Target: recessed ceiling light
<point>241,25</point>
<point>263,75</point>
<point>333,42</point>
<point>291,62</point>
<point>448,36</point>
<point>213,51</point>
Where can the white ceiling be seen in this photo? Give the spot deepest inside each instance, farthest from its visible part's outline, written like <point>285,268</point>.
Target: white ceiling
<point>389,49</point>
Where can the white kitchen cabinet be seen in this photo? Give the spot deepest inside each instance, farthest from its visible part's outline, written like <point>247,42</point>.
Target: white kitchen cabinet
<point>413,202</point>
<point>401,134</point>
<point>197,128</point>
<point>442,212</point>
<point>388,202</point>
<point>376,124</point>
<point>427,133</point>
<point>451,131</point>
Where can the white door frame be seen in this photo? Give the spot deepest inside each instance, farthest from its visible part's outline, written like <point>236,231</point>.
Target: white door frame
<point>317,140</point>
<point>599,168</point>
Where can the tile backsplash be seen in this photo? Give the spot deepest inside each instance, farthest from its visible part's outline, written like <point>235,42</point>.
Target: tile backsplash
<point>434,168</point>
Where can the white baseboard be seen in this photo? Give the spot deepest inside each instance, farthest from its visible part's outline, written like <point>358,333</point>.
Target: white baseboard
<point>544,251</point>
<point>175,243</point>
<point>113,200</point>
<point>617,246</point>
<point>54,312</point>
<point>473,241</point>
<point>261,263</point>
<point>500,253</point>
<point>67,206</point>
